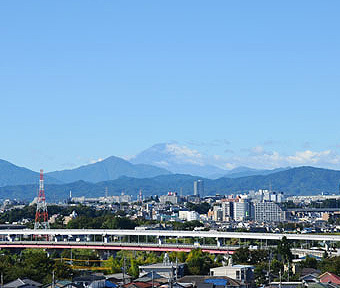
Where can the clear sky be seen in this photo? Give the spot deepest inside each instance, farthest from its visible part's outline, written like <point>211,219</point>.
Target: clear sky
<point>257,80</point>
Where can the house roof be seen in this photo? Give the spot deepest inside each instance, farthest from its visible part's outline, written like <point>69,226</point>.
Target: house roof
<point>322,285</point>
<point>61,284</point>
<point>118,276</point>
<point>329,277</point>
<point>89,278</point>
<point>310,271</point>
<point>195,279</point>
<point>317,285</point>
<point>138,285</point>
<point>22,282</point>
<point>310,277</point>
<point>160,266</point>
<point>147,277</point>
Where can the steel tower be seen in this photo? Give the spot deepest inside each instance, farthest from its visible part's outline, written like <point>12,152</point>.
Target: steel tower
<point>41,215</point>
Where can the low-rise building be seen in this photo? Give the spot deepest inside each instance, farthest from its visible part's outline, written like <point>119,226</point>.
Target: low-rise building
<point>243,273</point>
<point>171,197</point>
<point>188,215</point>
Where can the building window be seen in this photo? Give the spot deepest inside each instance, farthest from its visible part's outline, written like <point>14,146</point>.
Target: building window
<point>238,275</point>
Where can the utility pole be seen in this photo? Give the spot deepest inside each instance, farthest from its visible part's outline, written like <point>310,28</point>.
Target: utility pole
<point>152,279</point>
<point>53,279</point>
<point>280,285</point>
<point>124,270</point>
<point>269,262</point>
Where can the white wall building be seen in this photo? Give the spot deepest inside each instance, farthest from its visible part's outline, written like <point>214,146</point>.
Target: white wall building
<point>188,215</point>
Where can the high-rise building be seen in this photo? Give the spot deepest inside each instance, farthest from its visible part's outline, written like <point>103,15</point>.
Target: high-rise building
<point>268,212</point>
<point>241,210</point>
<point>228,209</point>
<point>199,188</point>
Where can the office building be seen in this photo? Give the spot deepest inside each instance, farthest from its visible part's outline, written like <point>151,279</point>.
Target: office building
<point>241,210</point>
<point>199,188</point>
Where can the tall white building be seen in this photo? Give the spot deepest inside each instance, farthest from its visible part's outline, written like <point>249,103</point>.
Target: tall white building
<point>241,210</point>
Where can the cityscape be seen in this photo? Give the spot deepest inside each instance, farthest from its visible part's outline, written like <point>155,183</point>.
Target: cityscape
<point>169,144</point>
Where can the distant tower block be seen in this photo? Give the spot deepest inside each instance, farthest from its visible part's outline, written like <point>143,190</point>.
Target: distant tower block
<point>41,215</point>
<point>140,196</point>
<point>198,188</point>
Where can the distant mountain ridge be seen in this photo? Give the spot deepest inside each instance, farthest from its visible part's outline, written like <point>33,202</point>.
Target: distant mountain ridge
<point>11,174</point>
<point>110,168</point>
<point>182,160</point>
<point>160,159</point>
<point>246,171</point>
<point>177,159</point>
<point>303,180</point>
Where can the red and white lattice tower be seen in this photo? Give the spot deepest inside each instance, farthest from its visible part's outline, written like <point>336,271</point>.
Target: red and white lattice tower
<point>41,215</point>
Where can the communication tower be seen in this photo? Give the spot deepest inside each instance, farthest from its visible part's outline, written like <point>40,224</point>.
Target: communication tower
<point>41,215</point>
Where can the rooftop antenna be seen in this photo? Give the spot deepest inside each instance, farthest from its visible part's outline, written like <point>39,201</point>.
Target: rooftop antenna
<point>41,215</point>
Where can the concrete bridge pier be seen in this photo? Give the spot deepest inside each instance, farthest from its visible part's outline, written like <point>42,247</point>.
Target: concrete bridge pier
<point>160,239</point>
<point>219,242</point>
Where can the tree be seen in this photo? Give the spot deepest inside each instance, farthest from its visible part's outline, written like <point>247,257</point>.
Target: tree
<point>283,249</point>
<point>309,262</point>
<point>201,208</point>
<point>62,270</point>
<point>133,270</point>
<point>118,223</point>
<point>36,265</point>
<point>331,265</point>
<point>199,262</point>
<point>260,274</point>
<point>245,256</point>
<point>241,256</point>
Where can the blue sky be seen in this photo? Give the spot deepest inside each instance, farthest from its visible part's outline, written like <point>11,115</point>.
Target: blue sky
<point>252,82</point>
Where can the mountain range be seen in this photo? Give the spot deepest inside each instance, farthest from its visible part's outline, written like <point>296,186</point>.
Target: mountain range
<point>160,159</point>
<point>178,159</point>
<point>11,174</point>
<point>159,169</point>
<point>182,160</point>
<point>295,181</point>
<point>108,169</point>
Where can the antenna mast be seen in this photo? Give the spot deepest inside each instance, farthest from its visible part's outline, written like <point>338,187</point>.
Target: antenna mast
<point>41,215</point>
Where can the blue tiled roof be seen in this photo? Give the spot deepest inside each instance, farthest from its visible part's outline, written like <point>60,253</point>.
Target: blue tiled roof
<point>217,281</point>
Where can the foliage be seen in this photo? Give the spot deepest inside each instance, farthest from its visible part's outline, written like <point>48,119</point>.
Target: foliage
<point>309,262</point>
<point>199,262</point>
<point>331,265</point>
<point>187,225</point>
<point>283,249</point>
<point>201,208</point>
<point>245,256</point>
<point>104,222</point>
